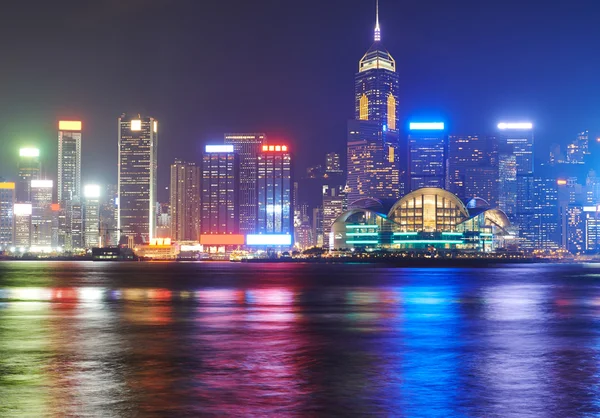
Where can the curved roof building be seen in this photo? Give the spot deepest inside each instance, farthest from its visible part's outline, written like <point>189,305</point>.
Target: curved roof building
<point>425,218</point>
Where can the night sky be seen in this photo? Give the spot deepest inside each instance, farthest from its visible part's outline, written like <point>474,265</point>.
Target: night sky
<point>286,67</point>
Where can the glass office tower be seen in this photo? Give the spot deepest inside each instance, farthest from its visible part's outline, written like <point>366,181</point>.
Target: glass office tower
<point>247,146</point>
<point>219,190</point>
<point>275,209</point>
<point>138,142</point>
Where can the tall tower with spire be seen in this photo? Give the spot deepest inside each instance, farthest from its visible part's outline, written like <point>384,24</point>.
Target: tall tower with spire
<point>373,151</point>
<point>376,84</point>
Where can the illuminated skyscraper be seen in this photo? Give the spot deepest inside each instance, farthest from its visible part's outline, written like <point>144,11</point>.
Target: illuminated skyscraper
<point>185,201</point>
<point>219,190</point>
<point>333,164</point>
<point>372,155</point>
<point>7,203</point>
<point>108,216</point>
<point>138,142</point>
<point>91,218</point>
<point>473,168</point>
<point>372,169</point>
<point>69,160</point>
<point>247,146</point>
<point>376,85</point>
<point>578,149</point>
<point>516,140</point>
<point>275,208</point>
<point>427,155</point>
<point>29,169</point>
<point>41,216</point>
<point>574,240</point>
<point>507,184</point>
<point>334,204</point>
<point>22,213</point>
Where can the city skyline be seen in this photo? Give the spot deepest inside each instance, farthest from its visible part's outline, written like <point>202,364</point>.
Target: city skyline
<point>438,92</point>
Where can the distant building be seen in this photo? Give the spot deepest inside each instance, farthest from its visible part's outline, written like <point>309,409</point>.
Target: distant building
<point>578,149</point>
<point>219,190</point>
<point>575,237</point>
<point>515,139</point>
<point>41,215</point>
<point>7,203</point>
<point>22,213</point>
<point>473,167</point>
<point>185,201</point>
<point>91,193</point>
<point>333,163</point>
<point>69,179</point>
<point>108,216</point>
<point>138,144</point>
<point>427,155</point>
<point>545,225</point>
<point>334,204</point>
<point>275,206</point>
<point>164,223</point>
<point>69,160</point>
<point>29,167</point>
<point>317,227</point>
<point>481,182</point>
<point>247,146</point>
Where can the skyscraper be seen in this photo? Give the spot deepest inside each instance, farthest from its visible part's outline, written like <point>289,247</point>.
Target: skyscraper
<point>108,216</point>
<point>275,208</point>
<point>247,146</point>
<point>427,155</point>
<point>69,160</point>
<point>185,201</point>
<point>91,218</point>
<point>473,168</point>
<point>7,203</point>
<point>333,163</point>
<point>41,215</point>
<point>372,163</point>
<point>219,193</point>
<point>376,85</point>
<point>138,143</point>
<point>578,149</point>
<point>334,204</point>
<point>516,140</point>
<point>373,158</point>
<point>22,213</point>
<point>29,169</point>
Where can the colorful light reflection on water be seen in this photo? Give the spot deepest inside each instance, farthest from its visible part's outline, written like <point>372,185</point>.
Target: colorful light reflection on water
<point>127,339</point>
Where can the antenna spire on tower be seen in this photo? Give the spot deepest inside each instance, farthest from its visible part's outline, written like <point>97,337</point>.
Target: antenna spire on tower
<point>377,29</point>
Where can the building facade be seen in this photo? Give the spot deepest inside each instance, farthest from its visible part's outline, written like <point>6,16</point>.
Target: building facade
<point>372,162</point>
<point>275,207</point>
<point>334,204</point>
<point>30,168</point>
<point>185,201</point>
<point>69,160</point>
<point>91,218</point>
<point>22,213</point>
<point>219,190</point>
<point>247,146</point>
<point>41,215</point>
<point>138,143</point>
<point>427,155</point>
<point>7,203</point>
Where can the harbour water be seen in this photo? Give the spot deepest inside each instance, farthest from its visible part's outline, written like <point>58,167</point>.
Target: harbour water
<point>226,339</point>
